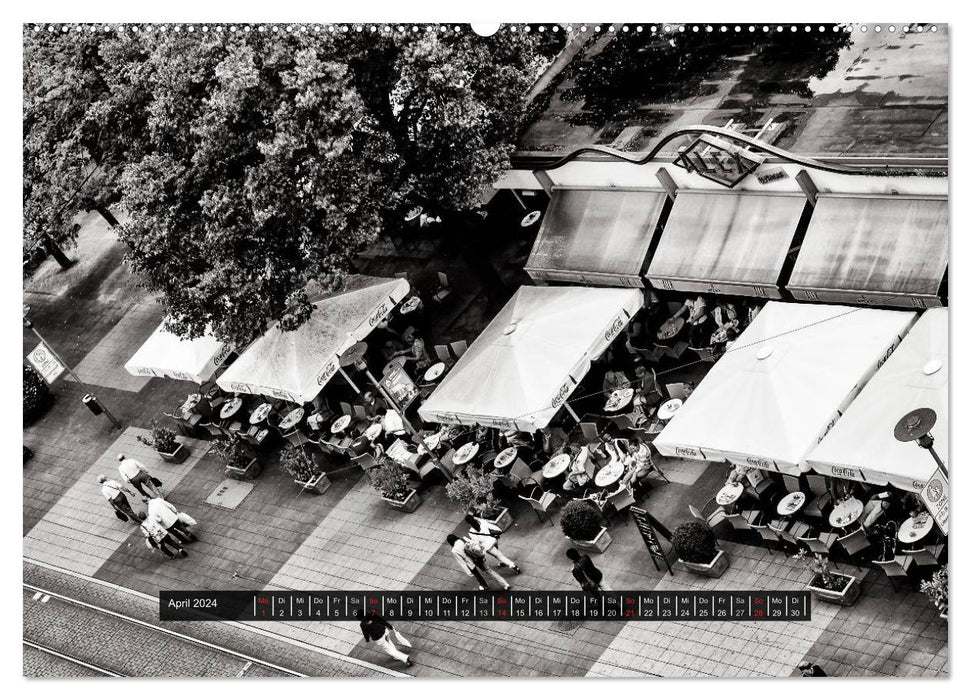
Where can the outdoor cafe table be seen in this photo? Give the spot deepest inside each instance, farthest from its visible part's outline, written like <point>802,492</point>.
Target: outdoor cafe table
<point>846,512</point>
<point>190,403</point>
<point>505,458</point>
<point>434,372</point>
<point>393,364</point>
<point>340,425</point>
<point>465,453</point>
<point>729,494</point>
<point>791,503</point>
<point>261,413</point>
<point>410,304</point>
<point>666,410</point>
<point>618,399</point>
<point>230,408</point>
<point>915,528</point>
<point>291,419</point>
<point>556,466</point>
<point>609,475</point>
<point>670,328</point>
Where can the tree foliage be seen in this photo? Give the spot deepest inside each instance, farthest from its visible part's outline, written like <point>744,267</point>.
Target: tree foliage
<point>253,162</point>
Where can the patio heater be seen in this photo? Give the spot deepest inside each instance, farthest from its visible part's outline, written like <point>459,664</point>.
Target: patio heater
<point>916,427</point>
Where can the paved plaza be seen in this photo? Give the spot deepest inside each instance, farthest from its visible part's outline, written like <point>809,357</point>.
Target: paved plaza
<point>347,538</point>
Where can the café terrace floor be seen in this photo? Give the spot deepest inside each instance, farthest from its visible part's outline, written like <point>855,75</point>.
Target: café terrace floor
<point>348,538</point>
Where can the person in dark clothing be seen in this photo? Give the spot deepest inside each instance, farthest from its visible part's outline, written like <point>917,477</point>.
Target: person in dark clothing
<point>811,670</point>
<point>585,572</point>
<point>378,630</point>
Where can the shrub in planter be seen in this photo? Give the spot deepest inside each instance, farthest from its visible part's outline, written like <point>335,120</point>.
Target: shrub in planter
<point>306,472</point>
<point>389,479</point>
<point>842,589</point>
<point>164,442</point>
<point>581,520</point>
<point>473,489</point>
<point>695,543</point>
<point>37,395</point>
<point>935,588</point>
<point>240,462</point>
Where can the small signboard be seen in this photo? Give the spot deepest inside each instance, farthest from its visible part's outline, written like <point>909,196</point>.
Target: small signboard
<point>43,360</point>
<point>400,386</point>
<point>935,497</point>
<point>649,529</point>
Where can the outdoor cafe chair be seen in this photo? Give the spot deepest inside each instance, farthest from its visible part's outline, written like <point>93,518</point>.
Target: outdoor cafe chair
<point>296,438</point>
<point>817,484</point>
<point>792,483</point>
<point>896,568</point>
<point>738,521</point>
<point>540,500</point>
<point>621,500</point>
<point>590,432</point>
<point>677,350</point>
<point>815,507</point>
<point>443,354</point>
<point>520,472</point>
<point>779,527</point>
<point>926,556</point>
<point>855,542</point>
<point>815,546</point>
<point>661,350</point>
<point>214,429</point>
<point>677,391</point>
<point>442,290</point>
<point>704,354</point>
<point>767,534</point>
<point>458,348</point>
<point>359,412</point>
<point>345,408</point>
<point>711,514</point>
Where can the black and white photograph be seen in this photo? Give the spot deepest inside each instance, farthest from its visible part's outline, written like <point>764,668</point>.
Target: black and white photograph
<point>486,350</point>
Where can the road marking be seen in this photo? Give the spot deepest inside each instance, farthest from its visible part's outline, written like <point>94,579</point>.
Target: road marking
<point>243,670</point>
<point>45,599</point>
<point>36,596</point>
<point>73,660</point>
<point>249,628</point>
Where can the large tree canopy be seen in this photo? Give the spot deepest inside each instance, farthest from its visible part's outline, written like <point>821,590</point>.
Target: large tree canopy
<point>253,162</point>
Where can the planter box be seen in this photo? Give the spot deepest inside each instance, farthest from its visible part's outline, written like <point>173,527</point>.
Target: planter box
<point>503,521</point>
<point>713,569</point>
<point>316,485</point>
<point>846,596</point>
<point>597,544</point>
<point>177,457</point>
<point>250,471</point>
<point>408,505</point>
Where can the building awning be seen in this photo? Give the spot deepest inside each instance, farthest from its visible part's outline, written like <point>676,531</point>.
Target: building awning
<point>295,365</point>
<point>597,237</point>
<point>165,354</point>
<point>782,385</point>
<point>525,364</point>
<point>726,243</point>
<point>861,446</point>
<point>886,250</point>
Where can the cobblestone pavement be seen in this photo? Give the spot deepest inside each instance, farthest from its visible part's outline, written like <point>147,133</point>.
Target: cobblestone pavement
<point>349,539</point>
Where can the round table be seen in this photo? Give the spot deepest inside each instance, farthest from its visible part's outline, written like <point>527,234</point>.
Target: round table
<point>393,364</point>
<point>291,419</point>
<point>791,503</point>
<point>230,408</point>
<point>609,475</point>
<point>618,399</point>
<point>846,513</point>
<point>374,431</point>
<point>434,372</point>
<point>465,453</point>
<point>191,401</point>
<point>261,413</point>
<point>729,494</point>
<point>667,409</point>
<point>530,218</point>
<point>915,528</point>
<point>409,305</point>
<point>432,441</point>
<point>505,458</point>
<point>556,466</point>
<point>670,328</point>
<point>340,425</point>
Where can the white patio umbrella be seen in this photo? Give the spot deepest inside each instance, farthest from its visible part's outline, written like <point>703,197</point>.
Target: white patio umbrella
<point>784,383</point>
<point>295,365</point>
<point>165,354</point>
<point>861,446</point>
<point>529,359</point>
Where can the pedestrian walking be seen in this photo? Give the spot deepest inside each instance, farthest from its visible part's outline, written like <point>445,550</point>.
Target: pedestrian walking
<point>174,522</point>
<point>811,670</point>
<point>115,493</point>
<point>487,535</point>
<point>378,630</point>
<point>585,572</point>
<point>471,559</point>
<point>157,537</point>
<point>135,473</point>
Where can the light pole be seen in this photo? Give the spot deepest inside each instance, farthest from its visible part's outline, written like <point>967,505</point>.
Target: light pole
<point>29,324</point>
<point>916,427</point>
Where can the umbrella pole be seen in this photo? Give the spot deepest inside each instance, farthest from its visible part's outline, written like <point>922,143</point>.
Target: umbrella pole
<point>349,380</point>
<point>569,409</point>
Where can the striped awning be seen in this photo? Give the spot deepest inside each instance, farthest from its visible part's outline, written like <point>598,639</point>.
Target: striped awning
<point>597,237</point>
<point>726,243</point>
<point>886,250</point>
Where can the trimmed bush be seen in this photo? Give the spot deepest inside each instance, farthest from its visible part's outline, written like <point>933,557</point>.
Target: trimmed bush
<point>694,543</point>
<point>37,395</point>
<point>161,439</point>
<point>298,464</point>
<point>580,520</point>
<point>389,479</point>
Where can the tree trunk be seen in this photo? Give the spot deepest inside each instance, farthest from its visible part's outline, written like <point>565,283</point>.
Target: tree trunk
<point>55,252</point>
<point>106,214</point>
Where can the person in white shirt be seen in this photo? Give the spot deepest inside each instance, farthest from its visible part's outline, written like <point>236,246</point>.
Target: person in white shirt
<point>168,516</point>
<point>115,493</point>
<point>135,473</point>
<point>487,535</point>
<point>157,537</point>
